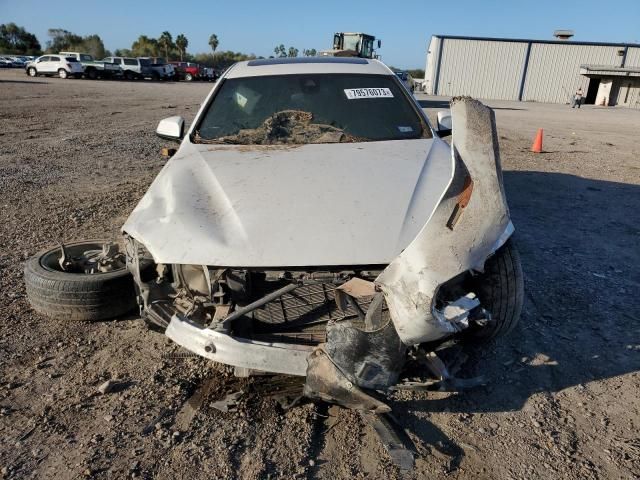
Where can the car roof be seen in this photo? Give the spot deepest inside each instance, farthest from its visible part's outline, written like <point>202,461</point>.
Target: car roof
<point>307,65</point>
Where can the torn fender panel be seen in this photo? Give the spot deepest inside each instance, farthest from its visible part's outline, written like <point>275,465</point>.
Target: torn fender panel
<point>439,253</point>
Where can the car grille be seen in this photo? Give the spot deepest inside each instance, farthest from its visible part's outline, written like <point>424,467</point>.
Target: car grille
<point>303,314</point>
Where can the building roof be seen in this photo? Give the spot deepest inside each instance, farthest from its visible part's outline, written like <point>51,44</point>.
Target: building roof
<point>531,40</point>
<point>609,71</point>
<point>307,65</point>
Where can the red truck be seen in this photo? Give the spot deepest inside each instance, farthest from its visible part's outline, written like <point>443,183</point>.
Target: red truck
<point>188,71</point>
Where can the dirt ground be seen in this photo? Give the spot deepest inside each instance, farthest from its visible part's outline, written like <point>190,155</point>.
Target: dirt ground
<point>562,399</point>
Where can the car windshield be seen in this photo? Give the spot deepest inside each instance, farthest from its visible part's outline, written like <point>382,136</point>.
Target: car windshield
<point>299,109</point>
<point>145,61</point>
<point>70,59</point>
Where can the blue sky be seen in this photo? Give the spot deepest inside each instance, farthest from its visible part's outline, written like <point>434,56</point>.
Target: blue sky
<point>258,26</point>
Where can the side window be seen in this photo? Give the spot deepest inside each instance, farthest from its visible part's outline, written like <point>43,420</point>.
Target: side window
<point>43,59</point>
<point>54,59</point>
<point>130,61</point>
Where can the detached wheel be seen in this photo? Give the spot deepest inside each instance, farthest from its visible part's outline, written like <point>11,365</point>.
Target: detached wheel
<point>89,281</point>
<point>500,290</point>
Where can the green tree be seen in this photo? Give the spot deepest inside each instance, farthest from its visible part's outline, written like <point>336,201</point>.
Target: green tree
<point>145,47</point>
<point>166,43</point>
<point>182,43</point>
<point>93,45</point>
<point>416,73</point>
<point>213,43</point>
<point>309,52</point>
<point>224,60</point>
<point>17,40</point>
<point>62,39</point>
<point>293,52</point>
<point>123,52</point>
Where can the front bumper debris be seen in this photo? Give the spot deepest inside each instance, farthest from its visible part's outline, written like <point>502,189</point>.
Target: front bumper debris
<point>290,359</point>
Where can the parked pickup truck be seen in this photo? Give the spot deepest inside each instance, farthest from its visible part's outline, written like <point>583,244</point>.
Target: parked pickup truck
<point>161,70</point>
<point>94,68</point>
<point>188,71</point>
<point>132,68</point>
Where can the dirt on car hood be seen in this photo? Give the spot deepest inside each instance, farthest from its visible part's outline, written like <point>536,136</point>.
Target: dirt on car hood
<point>300,205</point>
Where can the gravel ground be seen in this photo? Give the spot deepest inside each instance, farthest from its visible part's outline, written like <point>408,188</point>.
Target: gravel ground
<point>562,399</point>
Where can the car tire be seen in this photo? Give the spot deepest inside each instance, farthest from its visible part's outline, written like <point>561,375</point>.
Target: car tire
<point>32,72</point>
<point>188,77</point>
<point>500,289</point>
<point>62,73</point>
<point>92,74</point>
<point>77,75</point>
<point>77,296</point>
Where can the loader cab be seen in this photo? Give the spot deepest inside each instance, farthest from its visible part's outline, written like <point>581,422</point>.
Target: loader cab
<point>355,45</point>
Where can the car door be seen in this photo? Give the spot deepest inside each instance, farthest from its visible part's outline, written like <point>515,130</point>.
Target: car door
<point>131,64</point>
<point>43,64</point>
<point>54,64</point>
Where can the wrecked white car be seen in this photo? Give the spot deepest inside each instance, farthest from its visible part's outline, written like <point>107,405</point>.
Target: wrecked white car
<point>313,223</point>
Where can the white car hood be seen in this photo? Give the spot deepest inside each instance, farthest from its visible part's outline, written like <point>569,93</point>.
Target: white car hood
<point>286,206</point>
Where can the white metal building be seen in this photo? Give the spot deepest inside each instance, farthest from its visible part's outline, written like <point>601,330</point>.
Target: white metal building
<point>533,70</point>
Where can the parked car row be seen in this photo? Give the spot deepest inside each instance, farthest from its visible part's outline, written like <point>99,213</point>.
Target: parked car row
<point>14,61</point>
<point>77,64</point>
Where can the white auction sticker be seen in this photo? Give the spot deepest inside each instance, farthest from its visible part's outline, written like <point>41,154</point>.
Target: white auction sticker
<point>356,93</point>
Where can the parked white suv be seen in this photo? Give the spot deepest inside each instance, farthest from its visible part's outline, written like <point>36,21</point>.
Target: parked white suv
<point>59,65</point>
<point>132,68</point>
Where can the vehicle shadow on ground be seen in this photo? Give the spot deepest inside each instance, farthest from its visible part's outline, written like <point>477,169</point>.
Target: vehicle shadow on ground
<point>23,81</point>
<point>578,239</point>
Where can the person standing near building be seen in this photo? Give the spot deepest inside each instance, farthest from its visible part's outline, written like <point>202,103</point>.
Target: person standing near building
<point>577,98</point>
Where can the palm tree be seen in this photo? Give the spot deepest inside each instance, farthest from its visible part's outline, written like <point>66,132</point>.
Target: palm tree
<point>280,51</point>
<point>213,43</point>
<point>182,43</point>
<point>166,43</point>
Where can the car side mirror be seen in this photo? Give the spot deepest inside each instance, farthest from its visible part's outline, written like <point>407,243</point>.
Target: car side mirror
<point>171,128</point>
<point>379,43</point>
<point>444,123</point>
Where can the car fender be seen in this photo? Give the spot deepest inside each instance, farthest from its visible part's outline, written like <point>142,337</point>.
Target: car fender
<point>469,224</point>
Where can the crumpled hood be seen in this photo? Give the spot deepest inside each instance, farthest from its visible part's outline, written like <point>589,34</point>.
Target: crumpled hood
<point>279,206</point>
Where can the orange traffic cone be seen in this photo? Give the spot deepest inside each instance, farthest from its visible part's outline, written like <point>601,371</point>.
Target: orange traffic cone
<point>537,143</point>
